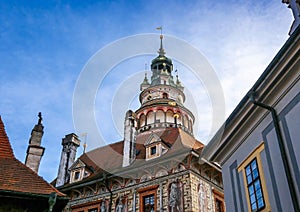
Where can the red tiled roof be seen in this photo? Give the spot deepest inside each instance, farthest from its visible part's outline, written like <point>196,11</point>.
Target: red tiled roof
<point>110,157</point>
<point>17,177</point>
<point>5,147</point>
<point>177,140</point>
<point>171,136</point>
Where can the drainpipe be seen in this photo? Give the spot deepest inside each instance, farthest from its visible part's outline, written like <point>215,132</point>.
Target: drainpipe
<point>282,148</point>
<point>52,201</point>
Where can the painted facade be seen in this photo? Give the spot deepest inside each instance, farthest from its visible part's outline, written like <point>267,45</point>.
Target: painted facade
<point>157,166</point>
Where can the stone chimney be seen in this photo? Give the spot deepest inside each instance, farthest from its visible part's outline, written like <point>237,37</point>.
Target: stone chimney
<point>35,151</point>
<point>70,144</point>
<point>129,139</point>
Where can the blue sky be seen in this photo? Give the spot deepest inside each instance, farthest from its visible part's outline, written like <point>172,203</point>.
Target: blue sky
<point>44,45</point>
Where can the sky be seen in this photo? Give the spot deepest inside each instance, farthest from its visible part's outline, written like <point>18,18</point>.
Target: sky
<point>45,47</point>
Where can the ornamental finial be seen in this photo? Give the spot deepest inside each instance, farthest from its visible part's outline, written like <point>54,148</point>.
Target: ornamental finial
<point>40,118</point>
<point>161,50</point>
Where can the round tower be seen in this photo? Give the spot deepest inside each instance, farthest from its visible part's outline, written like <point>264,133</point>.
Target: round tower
<point>162,98</point>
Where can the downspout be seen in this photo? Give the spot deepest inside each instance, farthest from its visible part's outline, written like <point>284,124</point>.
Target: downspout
<point>52,201</point>
<point>282,148</point>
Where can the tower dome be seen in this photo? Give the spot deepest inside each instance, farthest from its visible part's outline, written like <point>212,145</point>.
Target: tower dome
<point>162,98</point>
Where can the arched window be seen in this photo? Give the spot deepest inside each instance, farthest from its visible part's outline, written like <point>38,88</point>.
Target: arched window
<point>142,120</point>
<point>179,119</point>
<point>191,126</point>
<point>150,117</point>
<point>186,122</point>
<point>160,116</point>
<point>165,95</point>
<point>170,118</point>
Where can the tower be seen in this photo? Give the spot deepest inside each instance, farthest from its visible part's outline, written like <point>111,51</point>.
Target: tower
<point>162,99</point>
<point>162,109</point>
<point>35,151</point>
<point>70,144</point>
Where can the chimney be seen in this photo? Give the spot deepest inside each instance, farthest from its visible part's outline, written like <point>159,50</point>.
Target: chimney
<point>35,151</point>
<point>129,139</point>
<point>70,144</point>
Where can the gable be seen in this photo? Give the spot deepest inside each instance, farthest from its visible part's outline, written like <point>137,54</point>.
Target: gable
<point>77,165</point>
<point>152,139</point>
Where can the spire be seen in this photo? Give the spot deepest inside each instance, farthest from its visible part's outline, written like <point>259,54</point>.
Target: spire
<point>145,82</point>
<point>178,83</point>
<point>161,50</point>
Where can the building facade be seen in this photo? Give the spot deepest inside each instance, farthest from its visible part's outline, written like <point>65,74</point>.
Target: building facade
<point>258,146</point>
<point>156,167</point>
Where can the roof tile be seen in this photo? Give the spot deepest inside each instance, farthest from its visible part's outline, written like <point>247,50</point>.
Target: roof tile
<point>16,176</point>
<point>110,157</point>
<point>5,147</point>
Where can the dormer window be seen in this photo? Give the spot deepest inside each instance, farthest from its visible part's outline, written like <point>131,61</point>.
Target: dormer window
<point>155,147</point>
<point>76,175</point>
<point>153,150</point>
<point>78,171</point>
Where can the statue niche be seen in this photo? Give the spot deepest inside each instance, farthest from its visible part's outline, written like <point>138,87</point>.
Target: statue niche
<point>176,197</point>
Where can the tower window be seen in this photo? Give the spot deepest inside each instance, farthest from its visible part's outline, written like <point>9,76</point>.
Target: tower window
<point>165,95</point>
<point>153,150</point>
<point>254,186</point>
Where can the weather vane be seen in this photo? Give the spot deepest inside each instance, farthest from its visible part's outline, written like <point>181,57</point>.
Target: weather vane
<point>160,28</point>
